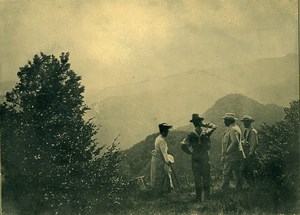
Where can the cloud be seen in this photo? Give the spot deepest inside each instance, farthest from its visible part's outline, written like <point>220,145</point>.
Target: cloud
<point>117,42</point>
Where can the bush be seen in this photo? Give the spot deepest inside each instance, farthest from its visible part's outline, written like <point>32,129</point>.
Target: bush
<point>278,156</point>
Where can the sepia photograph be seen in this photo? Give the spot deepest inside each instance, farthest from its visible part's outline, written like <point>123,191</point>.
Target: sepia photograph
<point>149,107</point>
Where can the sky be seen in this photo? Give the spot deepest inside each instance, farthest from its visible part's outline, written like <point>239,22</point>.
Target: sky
<point>113,42</point>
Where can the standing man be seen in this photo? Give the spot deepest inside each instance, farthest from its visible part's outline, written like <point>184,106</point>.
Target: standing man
<point>232,152</point>
<point>199,141</point>
<point>250,141</point>
<point>160,176</point>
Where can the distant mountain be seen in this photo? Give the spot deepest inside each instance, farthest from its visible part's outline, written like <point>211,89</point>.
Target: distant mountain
<point>270,80</point>
<point>175,98</point>
<point>138,157</point>
<point>247,79</point>
<point>281,92</point>
<point>241,105</point>
<point>134,110</point>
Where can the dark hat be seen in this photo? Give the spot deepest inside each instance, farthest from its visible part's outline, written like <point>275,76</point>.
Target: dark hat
<point>196,118</point>
<point>229,116</point>
<point>164,126</point>
<point>247,118</point>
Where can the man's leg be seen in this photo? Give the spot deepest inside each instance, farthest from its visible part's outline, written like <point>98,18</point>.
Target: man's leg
<point>250,172</point>
<point>227,175</point>
<point>238,174</point>
<point>197,178</point>
<point>206,179</point>
<point>244,167</point>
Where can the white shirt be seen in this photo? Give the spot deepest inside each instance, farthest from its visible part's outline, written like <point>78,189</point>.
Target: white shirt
<point>252,138</point>
<point>160,145</point>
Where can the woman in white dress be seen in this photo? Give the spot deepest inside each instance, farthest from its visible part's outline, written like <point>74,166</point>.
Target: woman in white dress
<point>161,180</point>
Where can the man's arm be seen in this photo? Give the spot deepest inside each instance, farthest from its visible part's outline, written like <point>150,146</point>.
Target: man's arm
<point>185,145</point>
<point>234,143</point>
<point>253,140</point>
<point>210,128</point>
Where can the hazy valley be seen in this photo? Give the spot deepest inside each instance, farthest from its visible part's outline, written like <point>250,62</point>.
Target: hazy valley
<point>134,110</point>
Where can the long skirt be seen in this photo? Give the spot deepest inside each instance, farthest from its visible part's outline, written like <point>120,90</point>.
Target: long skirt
<point>160,175</point>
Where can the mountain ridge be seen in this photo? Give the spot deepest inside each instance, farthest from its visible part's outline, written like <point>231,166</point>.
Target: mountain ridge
<point>250,73</point>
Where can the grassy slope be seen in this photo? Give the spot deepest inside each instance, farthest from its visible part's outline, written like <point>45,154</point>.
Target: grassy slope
<point>248,201</point>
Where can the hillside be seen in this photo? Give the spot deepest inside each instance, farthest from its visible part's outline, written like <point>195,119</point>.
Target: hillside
<point>240,105</point>
<point>133,110</point>
<point>134,117</point>
<point>138,157</point>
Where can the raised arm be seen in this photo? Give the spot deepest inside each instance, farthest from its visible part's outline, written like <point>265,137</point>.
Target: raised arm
<point>210,128</point>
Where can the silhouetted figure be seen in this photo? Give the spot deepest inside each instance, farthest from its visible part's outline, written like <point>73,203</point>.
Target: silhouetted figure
<point>199,142</point>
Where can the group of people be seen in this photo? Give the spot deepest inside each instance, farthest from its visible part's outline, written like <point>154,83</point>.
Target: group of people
<point>238,155</point>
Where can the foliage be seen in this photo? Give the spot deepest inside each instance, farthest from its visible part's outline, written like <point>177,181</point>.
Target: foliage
<point>49,156</point>
<point>278,156</point>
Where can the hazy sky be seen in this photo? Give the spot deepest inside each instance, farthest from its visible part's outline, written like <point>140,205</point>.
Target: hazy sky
<point>115,42</point>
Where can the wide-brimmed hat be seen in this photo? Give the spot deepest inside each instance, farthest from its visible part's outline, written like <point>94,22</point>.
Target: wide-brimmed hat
<point>171,158</point>
<point>247,118</point>
<point>164,126</point>
<point>196,118</point>
<point>229,116</point>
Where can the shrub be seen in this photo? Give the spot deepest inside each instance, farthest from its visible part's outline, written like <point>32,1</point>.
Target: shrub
<point>278,156</point>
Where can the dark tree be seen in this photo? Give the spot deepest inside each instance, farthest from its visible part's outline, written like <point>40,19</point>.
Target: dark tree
<point>49,156</point>
<point>278,156</point>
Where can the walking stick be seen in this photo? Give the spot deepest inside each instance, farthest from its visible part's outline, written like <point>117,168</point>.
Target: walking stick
<point>175,177</point>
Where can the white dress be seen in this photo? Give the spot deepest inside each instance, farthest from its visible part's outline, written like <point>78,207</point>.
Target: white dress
<point>161,179</point>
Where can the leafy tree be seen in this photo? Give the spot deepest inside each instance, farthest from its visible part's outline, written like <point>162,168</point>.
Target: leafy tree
<point>49,155</point>
<point>278,156</point>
